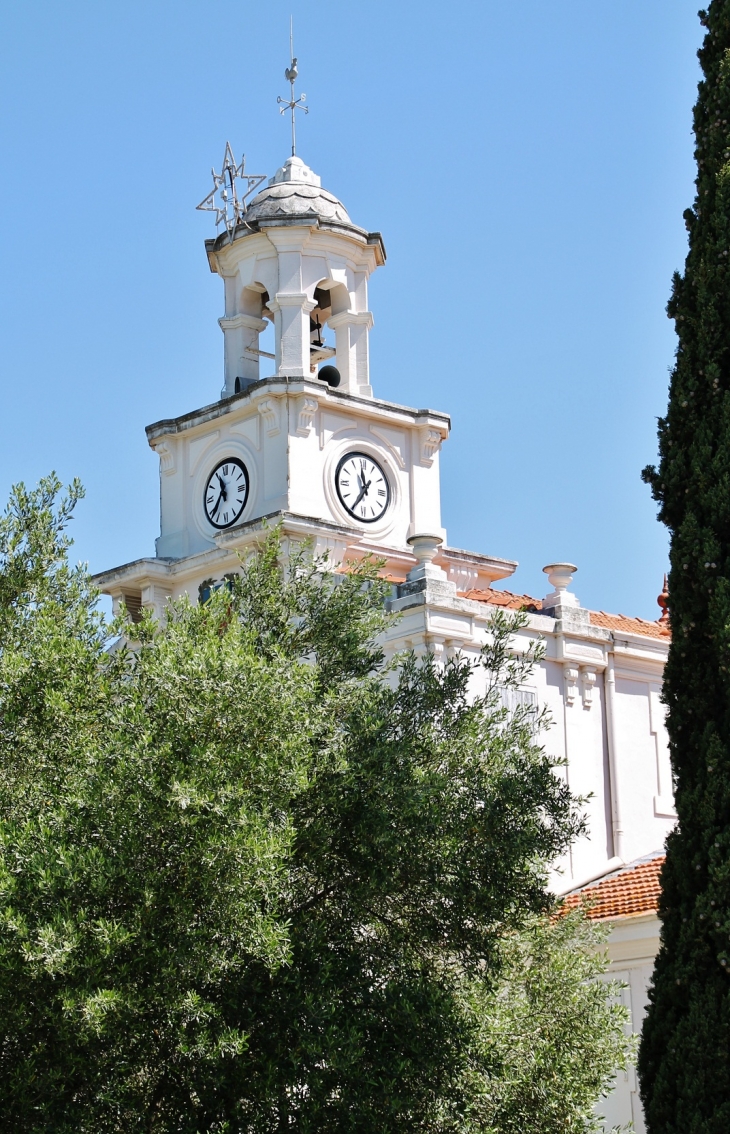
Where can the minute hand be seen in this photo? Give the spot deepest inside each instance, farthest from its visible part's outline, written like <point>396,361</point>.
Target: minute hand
<point>363,492</point>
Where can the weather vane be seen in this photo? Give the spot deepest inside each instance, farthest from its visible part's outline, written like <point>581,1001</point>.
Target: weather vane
<point>224,199</point>
<point>294,104</point>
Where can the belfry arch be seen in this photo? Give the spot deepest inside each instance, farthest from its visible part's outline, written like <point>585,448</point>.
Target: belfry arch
<point>241,329</point>
<point>330,298</point>
<point>298,261</point>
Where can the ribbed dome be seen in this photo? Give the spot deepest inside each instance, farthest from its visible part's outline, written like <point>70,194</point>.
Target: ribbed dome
<point>295,191</point>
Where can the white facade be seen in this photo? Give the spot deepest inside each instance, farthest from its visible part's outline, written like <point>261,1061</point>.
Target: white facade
<point>291,433</point>
<point>299,262</point>
<point>632,947</point>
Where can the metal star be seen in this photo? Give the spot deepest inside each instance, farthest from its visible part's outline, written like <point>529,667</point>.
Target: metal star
<point>224,200</point>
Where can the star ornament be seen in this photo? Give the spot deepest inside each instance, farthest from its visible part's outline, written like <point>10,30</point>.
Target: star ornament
<point>224,199</point>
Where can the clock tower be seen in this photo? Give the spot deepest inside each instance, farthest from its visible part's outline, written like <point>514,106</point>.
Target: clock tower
<point>298,436</point>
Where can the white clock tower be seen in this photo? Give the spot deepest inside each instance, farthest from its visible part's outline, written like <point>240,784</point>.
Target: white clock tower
<point>296,438</point>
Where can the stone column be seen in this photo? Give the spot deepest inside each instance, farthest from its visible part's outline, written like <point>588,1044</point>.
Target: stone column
<point>291,313</point>
<point>240,333</point>
<point>351,341</point>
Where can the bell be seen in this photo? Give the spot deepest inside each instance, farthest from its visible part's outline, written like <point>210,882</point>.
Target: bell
<point>330,375</point>
<point>316,329</point>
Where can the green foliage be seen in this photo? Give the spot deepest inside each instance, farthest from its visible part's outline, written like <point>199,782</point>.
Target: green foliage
<point>252,881</point>
<point>551,1034</point>
<point>685,1073</point>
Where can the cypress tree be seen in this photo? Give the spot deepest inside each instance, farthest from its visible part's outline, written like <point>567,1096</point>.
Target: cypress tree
<point>684,1059</point>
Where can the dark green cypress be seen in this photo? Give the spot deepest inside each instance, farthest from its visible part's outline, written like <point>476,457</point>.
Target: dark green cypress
<point>684,1059</point>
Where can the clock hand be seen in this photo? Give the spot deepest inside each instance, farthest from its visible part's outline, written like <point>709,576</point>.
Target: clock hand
<point>222,483</point>
<point>217,503</point>
<point>363,491</point>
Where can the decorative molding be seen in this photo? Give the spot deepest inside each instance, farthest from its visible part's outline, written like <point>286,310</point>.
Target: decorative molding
<point>155,598</point>
<point>305,420</point>
<point>571,683</point>
<point>268,411</point>
<point>198,446</point>
<point>583,653</point>
<point>248,428</point>
<point>465,577</point>
<point>351,319</point>
<point>292,299</point>
<point>664,807</point>
<point>166,453</point>
<point>333,425</point>
<point>588,679</point>
<point>395,439</point>
<point>430,444</point>
<point>437,647</point>
<point>664,798</point>
<point>235,322</point>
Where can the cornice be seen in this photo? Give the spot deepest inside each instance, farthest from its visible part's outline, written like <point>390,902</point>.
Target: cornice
<point>228,543</point>
<point>589,646</point>
<point>217,249</point>
<point>295,386</point>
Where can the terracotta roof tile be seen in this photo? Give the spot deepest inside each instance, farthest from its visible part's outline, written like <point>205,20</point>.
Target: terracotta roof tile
<point>503,598</point>
<point>509,601</point>
<point>630,625</point>
<point>632,890</point>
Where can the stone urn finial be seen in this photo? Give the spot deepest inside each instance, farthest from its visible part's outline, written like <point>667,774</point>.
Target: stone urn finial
<point>560,575</point>
<point>425,546</point>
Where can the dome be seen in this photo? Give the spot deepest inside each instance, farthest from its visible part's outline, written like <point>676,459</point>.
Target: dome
<point>295,191</point>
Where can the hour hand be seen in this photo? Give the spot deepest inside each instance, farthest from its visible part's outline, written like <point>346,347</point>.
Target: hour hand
<point>363,490</point>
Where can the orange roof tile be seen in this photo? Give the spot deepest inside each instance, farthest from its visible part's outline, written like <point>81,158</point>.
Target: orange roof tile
<point>630,625</point>
<point>632,890</point>
<point>392,577</point>
<point>509,601</point>
<point>503,598</point>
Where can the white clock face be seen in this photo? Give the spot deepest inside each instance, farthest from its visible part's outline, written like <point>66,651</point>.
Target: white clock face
<point>362,487</point>
<point>226,493</point>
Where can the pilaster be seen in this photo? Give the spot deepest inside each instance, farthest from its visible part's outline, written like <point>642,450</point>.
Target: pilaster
<point>291,320</point>
<point>351,342</point>
<point>241,339</point>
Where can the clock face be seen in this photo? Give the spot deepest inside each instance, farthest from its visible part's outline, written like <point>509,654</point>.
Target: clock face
<point>226,493</point>
<point>362,487</point>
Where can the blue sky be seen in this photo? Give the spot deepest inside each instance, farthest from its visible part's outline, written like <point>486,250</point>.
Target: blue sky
<point>527,164</point>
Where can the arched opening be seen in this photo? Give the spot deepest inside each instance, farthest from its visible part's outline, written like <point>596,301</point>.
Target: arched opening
<point>330,299</point>
<point>253,301</point>
<point>257,343</point>
<point>267,341</point>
